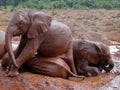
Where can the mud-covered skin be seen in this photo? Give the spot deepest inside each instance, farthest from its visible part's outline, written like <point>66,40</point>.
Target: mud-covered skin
<point>49,66</point>
<point>39,33</point>
<point>2,43</point>
<point>55,67</point>
<point>88,57</point>
<point>91,57</point>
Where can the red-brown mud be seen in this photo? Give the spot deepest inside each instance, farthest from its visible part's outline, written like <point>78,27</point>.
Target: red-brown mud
<point>29,81</point>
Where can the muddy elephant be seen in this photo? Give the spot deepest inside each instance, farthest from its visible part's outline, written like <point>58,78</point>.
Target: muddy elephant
<point>91,57</point>
<point>39,34</point>
<point>49,66</point>
<point>2,43</point>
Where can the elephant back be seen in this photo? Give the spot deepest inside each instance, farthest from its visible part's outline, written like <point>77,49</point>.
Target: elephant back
<point>58,30</point>
<point>50,66</point>
<point>56,40</point>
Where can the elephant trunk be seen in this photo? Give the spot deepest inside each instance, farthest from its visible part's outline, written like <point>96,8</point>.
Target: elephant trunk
<point>8,41</point>
<point>110,66</point>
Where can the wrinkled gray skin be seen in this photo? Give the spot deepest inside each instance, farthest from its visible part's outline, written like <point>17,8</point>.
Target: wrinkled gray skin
<point>2,43</point>
<point>38,34</point>
<point>91,57</point>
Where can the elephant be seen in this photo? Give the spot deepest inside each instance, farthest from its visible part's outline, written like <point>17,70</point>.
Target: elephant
<point>49,66</point>
<point>39,34</point>
<point>2,43</point>
<point>91,57</point>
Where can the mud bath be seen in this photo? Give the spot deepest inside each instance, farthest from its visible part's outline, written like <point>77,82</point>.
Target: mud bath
<point>29,81</point>
<point>106,81</point>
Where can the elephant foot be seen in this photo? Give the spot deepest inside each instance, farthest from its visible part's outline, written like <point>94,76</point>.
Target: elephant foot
<point>92,73</point>
<point>7,69</point>
<point>13,72</point>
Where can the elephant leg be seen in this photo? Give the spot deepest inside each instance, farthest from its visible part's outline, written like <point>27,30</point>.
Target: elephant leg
<point>84,68</point>
<point>92,71</point>
<point>27,53</point>
<point>3,51</point>
<point>100,68</point>
<point>17,52</point>
<point>68,58</point>
<point>5,61</point>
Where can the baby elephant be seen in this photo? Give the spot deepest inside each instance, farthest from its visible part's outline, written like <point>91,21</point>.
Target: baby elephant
<point>49,66</point>
<point>91,57</point>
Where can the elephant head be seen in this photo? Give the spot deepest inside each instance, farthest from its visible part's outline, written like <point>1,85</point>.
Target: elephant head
<point>105,60</point>
<point>27,23</point>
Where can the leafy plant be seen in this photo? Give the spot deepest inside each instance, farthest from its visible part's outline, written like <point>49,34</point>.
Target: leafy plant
<point>61,4</point>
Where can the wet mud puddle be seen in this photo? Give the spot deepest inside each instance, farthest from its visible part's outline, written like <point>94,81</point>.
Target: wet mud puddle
<point>106,81</point>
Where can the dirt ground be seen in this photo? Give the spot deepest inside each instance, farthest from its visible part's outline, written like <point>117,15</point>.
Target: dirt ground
<point>97,25</point>
<point>29,81</point>
<point>100,25</point>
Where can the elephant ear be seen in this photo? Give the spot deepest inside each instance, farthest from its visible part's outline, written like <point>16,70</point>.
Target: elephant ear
<point>88,51</point>
<point>103,52</point>
<point>102,49</point>
<point>99,48</point>
<point>40,23</point>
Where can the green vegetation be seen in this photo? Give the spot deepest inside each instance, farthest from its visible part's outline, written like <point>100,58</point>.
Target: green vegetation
<point>59,4</point>
<point>116,16</point>
<point>4,19</point>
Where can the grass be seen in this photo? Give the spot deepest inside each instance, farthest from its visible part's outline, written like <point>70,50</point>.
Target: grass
<point>116,16</point>
<point>4,19</point>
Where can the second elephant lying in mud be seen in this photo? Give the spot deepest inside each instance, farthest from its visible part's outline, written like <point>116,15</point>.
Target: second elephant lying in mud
<point>90,59</point>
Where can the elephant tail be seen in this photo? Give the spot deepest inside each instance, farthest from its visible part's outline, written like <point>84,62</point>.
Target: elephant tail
<point>74,75</point>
